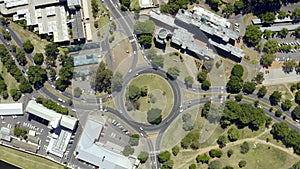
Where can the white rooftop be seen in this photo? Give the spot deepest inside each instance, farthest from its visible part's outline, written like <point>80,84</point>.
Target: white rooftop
<point>97,155</point>
<point>11,109</point>
<point>68,122</point>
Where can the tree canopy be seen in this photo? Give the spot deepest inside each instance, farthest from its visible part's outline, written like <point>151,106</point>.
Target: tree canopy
<point>173,72</point>
<point>268,18</point>
<point>267,59</point>
<point>275,97</point>
<point>144,27</point>
<point>103,78</point>
<point>296,113</point>
<point>234,85</point>
<point>38,58</point>
<point>28,46</point>
<point>154,116</point>
<point>117,81</point>
<point>271,46</point>
<point>143,156</point>
<point>249,87</point>
<point>164,156</point>
<point>237,70</point>
<point>37,76</point>
<point>252,35</point>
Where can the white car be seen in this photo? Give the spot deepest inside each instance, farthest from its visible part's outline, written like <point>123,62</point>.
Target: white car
<point>130,70</point>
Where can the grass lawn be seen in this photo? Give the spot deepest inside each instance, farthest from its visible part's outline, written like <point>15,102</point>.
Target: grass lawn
<point>9,80</point>
<point>175,132</point>
<point>282,88</point>
<point>37,42</point>
<point>25,160</point>
<point>173,60</point>
<point>260,157</point>
<point>134,4</point>
<point>103,24</point>
<point>153,82</point>
<point>227,66</point>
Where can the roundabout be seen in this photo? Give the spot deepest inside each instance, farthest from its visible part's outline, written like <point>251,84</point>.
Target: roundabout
<point>146,92</point>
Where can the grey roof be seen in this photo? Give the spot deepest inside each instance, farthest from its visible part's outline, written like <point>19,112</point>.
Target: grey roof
<point>85,59</point>
<point>166,19</point>
<point>77,26</point>
<point>5,134</point>
<point>278,28</point>
<point>210,28</point>
<point>235,51</point>
<point>97,155</point>
<point>185,39</point>
<point>257,21</point>
<point>58,146</point>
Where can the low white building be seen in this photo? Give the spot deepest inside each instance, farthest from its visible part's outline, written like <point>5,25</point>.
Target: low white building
<point>11,109</point>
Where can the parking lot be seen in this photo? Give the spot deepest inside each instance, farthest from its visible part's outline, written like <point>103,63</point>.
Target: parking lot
<point>113,136</point>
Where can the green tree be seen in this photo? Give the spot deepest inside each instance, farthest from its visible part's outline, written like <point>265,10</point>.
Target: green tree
<point>168,164</point>
<point>297,97</point>
<point>252,35</point>
<point>15,94</point>
<point>164,156</point>
<point>103,78</point>
<point>296,112</point>
<point>6,35</point>
<point>154,116</point>
<point>268,33</point>
<point>296,13</point>
<point>229,153</point>
<point>222,141</point>
<point>201,77</point>
<point>297,32</point>
<point>286,105</point>
<point>234,85</point>
<point>20,131</point>
<point>144,91</point>
<point>270,47</point>
<point>262,92</point>
<point>77,92</point>
<point>134,140</point>
<point>37,75</point>
<point>128,150</point>
<point>125,4</point>
<point>215,153</point>
<point>295,166</point>
<point>281,15</point>
<point>28,46</point>
<point>51,50</point>
<point>245,147</point>
<point>267,59</point>
<point>38,58</point>
<point>239,5</point>
<point>21,57</point>
<point>249,87</point>
<point>275,98</point>
<point>186,142</point>
<point>52,73</point>
<point>237,70</point>
<point>25,87</point>
<point>175,150</point>
<point>242,164</point>
<point>233,133</point>
<point>283,32</point>
<point>95,8</point>
<point>289,65</point>
<point>205,85</point>
<point>143,156</point>
<point>193,166</point>
<point>268,18</point>
<point>259,78</point>
<point>134,92</point>
<point>228,9</point>
<point>189,80</point>
<point>146,27</point>
<point>173,72</point>
<point>188,123</point>
<point>203,159</point>
<point>216,164</point>
<point>146,40</point>
<point>5,95</point>
<point>278,113</point>
<point>117,81</point>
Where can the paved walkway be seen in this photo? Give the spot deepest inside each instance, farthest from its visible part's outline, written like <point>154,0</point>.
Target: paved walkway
<point>277,76</point>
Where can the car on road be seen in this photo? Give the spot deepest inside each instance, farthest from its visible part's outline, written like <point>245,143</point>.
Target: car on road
<point>141,128</point>
<point>107,8</point>
<point>130,70</point>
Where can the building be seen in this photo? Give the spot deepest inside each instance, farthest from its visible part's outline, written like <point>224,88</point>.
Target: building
<point>188,27</point>
<point>185,41</point>
<point>11,109</point>
<point>49,17</point>
<point>5,134</point>
<point>54,119</point>
<point>97,155</point>
<point>58,143</point>
<point>88,59</point>
<point>161,35</point>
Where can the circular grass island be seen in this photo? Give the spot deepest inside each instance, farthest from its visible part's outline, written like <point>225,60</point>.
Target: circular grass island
<point>149,99</point>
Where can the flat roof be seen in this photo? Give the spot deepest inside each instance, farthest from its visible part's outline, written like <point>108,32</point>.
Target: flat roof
<point>77,26</point>
<point>73,3</point>
<point>278,28</point>
<point>11,109</point>
<point>85,7</point>
<point>235,51</point>
<point>97,155</point>
<point>166,19</point>
<point>58,146</point>
<point>85,59</point>
<point>88,31</point>
<point>68,122</point>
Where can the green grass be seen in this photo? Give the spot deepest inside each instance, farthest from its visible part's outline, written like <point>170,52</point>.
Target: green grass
<point>103,24</point>
<point>260,157</point>
<point>26,161</point>
<point>282,88</point>
<point>37,42</point>
<point>134,4</point>
<point>154,82</point>
<point>9,80</point>
<point>173,60</point>
<point>175,132</point>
